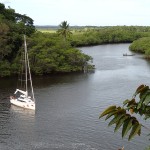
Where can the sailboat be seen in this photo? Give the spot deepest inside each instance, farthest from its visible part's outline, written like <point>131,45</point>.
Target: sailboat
<point>22,96</point>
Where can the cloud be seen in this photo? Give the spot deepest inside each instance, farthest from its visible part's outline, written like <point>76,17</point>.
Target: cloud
<point>5,1</point>
<point>84,12</point>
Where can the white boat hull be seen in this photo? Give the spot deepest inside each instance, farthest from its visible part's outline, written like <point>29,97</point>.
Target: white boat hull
<point>23,104</point>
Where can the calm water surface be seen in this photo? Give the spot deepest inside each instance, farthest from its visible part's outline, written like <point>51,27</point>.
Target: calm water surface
<point>68,106</point>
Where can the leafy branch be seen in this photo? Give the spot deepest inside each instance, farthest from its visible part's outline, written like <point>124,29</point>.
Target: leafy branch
<point>123,116</point>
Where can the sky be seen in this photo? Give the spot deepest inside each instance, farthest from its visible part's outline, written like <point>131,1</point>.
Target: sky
<point>84,12</point>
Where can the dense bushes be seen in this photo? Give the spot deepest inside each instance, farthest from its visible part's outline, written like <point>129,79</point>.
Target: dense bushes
<point>141,45</point>
<point>49,54</point>
<point>12,26</point>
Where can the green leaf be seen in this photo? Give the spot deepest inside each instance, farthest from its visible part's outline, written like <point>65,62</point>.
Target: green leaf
<point>147,100</point>
<point>125,102</point>
<point>138,90</point>
<point>139,105</point>
<point>147,109</point>
<point>142,98</point>
<point>111,114</point>
<point>140,87</point>
<point>141,90</point>
<point>115,119</point>
<point>141,112</point>
<point>119,110</point>
<point>144,90</point>
<point>143,108</point>
<point>135,130</point>
<point>132,102</point>
<point>143,94</point>
<point>126,127</point>
<point>107,111</point>
<point>121,121</point>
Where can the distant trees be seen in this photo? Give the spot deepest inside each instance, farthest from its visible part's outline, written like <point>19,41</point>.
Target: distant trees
<point>105,35</point>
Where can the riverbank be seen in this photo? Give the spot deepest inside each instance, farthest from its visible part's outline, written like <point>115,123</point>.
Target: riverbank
<point>49,54</point>
<point>142,46</point>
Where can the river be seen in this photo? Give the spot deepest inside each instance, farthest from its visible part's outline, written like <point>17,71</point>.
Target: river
<point>68,106</point>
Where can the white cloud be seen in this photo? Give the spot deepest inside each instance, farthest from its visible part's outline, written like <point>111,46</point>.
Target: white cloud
<point>85,12</point>
<point>5,1</point>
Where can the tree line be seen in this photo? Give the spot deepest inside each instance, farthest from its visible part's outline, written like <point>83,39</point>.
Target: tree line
<point>105,35</point>
<point>55,52</point>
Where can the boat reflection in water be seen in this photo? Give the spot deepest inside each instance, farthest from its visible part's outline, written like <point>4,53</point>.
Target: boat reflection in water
<point>23,113</point>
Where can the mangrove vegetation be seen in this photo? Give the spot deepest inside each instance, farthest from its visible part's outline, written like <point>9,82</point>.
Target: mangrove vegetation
<point>141,45</point>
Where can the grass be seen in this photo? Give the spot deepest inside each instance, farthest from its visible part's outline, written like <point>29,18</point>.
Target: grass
<point>47,30</point>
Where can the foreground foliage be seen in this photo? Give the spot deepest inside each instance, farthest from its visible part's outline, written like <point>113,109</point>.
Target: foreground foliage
<point>123,116</point>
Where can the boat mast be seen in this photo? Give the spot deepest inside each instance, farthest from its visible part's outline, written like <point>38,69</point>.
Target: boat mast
<point>26,71</point>
<point>28,65</point>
